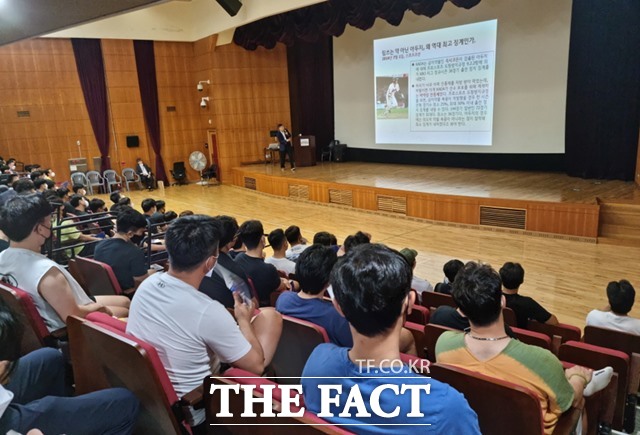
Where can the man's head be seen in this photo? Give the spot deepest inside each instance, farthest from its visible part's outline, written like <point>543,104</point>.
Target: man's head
<point>49,173</point>
<point>293,235</point>
<point>160,206</point>
<point>410,255</point>
<point>251,233</point>
<point>477,290</point>
<point>24,215</point>
<point>356,239</point>
<point>277,240</point>
<point>40,184</point>
<point>36,175</point>
<point>280,127</point>
<point>148,205</point>
<point>131,223</point>
<point>621,295</point>
<point>512,275</point>
<point>63,194</point>
<point>170,216</point>
<point>24,186</point>
<point>228,227</point>
<point>115,196</point>
<point>313,268</point>
<point>138,161</point>
<point>96,205</point>
<point>192,244</point>
<point>372,286</point>
<point>322,238</point>
<point>451,269</point>
<point>78,202</point>
<point>79,189</point>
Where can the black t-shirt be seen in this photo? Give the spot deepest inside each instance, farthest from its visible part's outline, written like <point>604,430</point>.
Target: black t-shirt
<point>526,308</point>
<point>126,260</point>
<point>448,316</point>
<point>443,287</point>
<point>265,276</point>
<point>215,287</point>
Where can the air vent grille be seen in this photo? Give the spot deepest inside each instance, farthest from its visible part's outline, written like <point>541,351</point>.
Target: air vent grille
<point>343,197</point>
<point>503,217</point>
<point>392,204</point>
<point>250,183</point>
<point>298,191</point>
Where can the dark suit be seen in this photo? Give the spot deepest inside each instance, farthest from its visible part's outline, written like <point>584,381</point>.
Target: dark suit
<point>285,148</point>
<point>146,179</point>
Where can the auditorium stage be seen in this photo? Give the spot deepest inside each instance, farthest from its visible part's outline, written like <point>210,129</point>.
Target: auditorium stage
<point>536,202</point>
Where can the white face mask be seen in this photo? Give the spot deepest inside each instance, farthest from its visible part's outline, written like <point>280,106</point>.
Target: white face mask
<point>52,174</point>
<point>85,202</point>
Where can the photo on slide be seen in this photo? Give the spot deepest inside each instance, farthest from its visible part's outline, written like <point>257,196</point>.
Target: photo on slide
<point>391,97</point>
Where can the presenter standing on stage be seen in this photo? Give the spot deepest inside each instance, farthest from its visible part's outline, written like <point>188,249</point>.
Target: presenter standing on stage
<point>286,147</point>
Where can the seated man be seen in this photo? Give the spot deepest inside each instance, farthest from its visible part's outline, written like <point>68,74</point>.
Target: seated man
<point>33,393</point>
<point>296,241</point>
<point>621,297</point>
<point>279,244</point>
<point>372,286</point>
<point>227,274</point>
<point>144,171</point>
<point>26,222</point>
<point>265,277</point>
<point>313,271</point>
<point>418,284</point>
<point>450,269</point>
<point>125,258</point>
<point>193,333</point>
<point>487,349</point>
<point>525,308</point>
<point>357,239</point>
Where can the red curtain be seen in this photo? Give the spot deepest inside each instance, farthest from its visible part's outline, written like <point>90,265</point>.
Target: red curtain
<point>146,65</point>
<point>90,66</point>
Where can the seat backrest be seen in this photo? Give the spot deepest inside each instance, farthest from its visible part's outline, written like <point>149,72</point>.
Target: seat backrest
<point>99,277</point>
<point>509,316</point>
<point>433,299</point>
<point>524,415</point>
<point>622,341</point>
<point>564,331</point>
<point>79,178</point>
<point>417,330</point>
<point>419,314</point>
<point>178,167</point>
<point>532,338</point>
<point>94,177</point>
<point>110,175</point>
<point>431,334</point>
<point>297,341</point>
<point>129,174</point>
<point>104,357</point>
<point>35,331</point>
<point>597,357</point>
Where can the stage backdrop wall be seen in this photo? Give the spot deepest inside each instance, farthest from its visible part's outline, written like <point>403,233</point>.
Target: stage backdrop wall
<point>249,96</point>
<point>531,77</point>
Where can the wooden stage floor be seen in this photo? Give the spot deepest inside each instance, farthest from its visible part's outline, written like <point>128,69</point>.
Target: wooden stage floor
<point>477,183</point>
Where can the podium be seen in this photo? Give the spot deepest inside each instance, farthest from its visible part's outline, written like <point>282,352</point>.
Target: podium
<point>304,150</point>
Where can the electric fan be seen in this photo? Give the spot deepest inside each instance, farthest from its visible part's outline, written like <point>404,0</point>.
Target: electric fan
<point>198,162</point>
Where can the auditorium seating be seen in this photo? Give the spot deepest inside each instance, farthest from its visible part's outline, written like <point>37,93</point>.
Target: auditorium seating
<point>432,300</point>
<point>36,334</point>
<point>104,356</point>
<point>297,341</point>
<point>596,357</point>
<point>532,338</point>
<point>509,316</point>
<point>418,314</point>
<point>562,330</point>
<point>417,330</point>
<point>98,277</point>
<point>502,407</point>
<point>431,334</point>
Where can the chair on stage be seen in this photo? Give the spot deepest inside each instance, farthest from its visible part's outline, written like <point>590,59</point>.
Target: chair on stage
<point>111,178</point>
<point>130,177</point>
<point>327,152</point>
<point>94,179</point>
<point>80,178</point>
<point>179,173</point>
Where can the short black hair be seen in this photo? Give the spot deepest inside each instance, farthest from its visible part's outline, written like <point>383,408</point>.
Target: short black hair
<point>276,238</point>
<point>115,196</point>
<point>451,269</point>
<point>62,192</point>
<point>354,240</point>
<point>50,183</point>
<point>186,213</point>
<point>170,216</point>
<point>148,204</point>
<point>322,238</point>
<point>160,203</point>
<point>75,200</point>
<point>130,220</point>
<point>251,232</point>
<point>38,182</point>
<point>228,229</point>
<point>512,275</point>
<point>21,214</point>
<point>621,295</point>
<point>77,187</point>
<point>313,268</point>
<point>23,185</point>
<point>190,240</point>
<point>35,175</point>
<point>370,284</point>
<point>124,201</point>
<point>95,204</point>
<point>293,234</point>
<point>47,171</point>
<point>11,332</point>
<point>477,291</point>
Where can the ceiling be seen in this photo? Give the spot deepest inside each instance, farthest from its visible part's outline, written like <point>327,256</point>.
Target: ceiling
<point>158,20</point>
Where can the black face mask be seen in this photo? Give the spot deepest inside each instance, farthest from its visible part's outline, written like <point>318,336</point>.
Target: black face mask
<point>137,240</point>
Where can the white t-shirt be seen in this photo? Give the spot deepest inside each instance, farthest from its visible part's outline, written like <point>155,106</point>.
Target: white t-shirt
<point>610,320</point>
<point>191,332</point>
<point>6,397</point>
<point>283,264</point>
<point>294,252</point>
<point>24,269</point>
<point>420,286</point>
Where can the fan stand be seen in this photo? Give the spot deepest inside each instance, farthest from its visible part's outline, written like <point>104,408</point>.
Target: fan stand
<point>202,181</point>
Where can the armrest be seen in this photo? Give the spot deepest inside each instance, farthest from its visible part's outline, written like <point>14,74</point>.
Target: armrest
<point>193,398</point>
<point>634,374</point>
<point>568,421</point>
<point>556,341</point>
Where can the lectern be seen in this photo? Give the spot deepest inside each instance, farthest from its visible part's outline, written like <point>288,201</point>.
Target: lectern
<point>304,150</point>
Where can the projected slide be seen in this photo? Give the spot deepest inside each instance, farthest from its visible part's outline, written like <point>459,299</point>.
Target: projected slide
<point>436,87</point>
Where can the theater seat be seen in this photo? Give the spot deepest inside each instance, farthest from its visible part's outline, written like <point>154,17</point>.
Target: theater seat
<point>532,338</point>
<point>562,330</point>
<point>104,356</point>
<point>36,335</point>
<point>509,316</point>
<point>431,334</point>
<point>98,277</point>
<point>502,407</point>
<point>297,341</point>
<point>434,300</point>
<point>417,330</point>
<point>419,314</point>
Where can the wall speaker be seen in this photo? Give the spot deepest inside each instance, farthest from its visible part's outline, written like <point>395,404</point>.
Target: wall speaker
<point>133,142</point>
<point>231,6</point>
